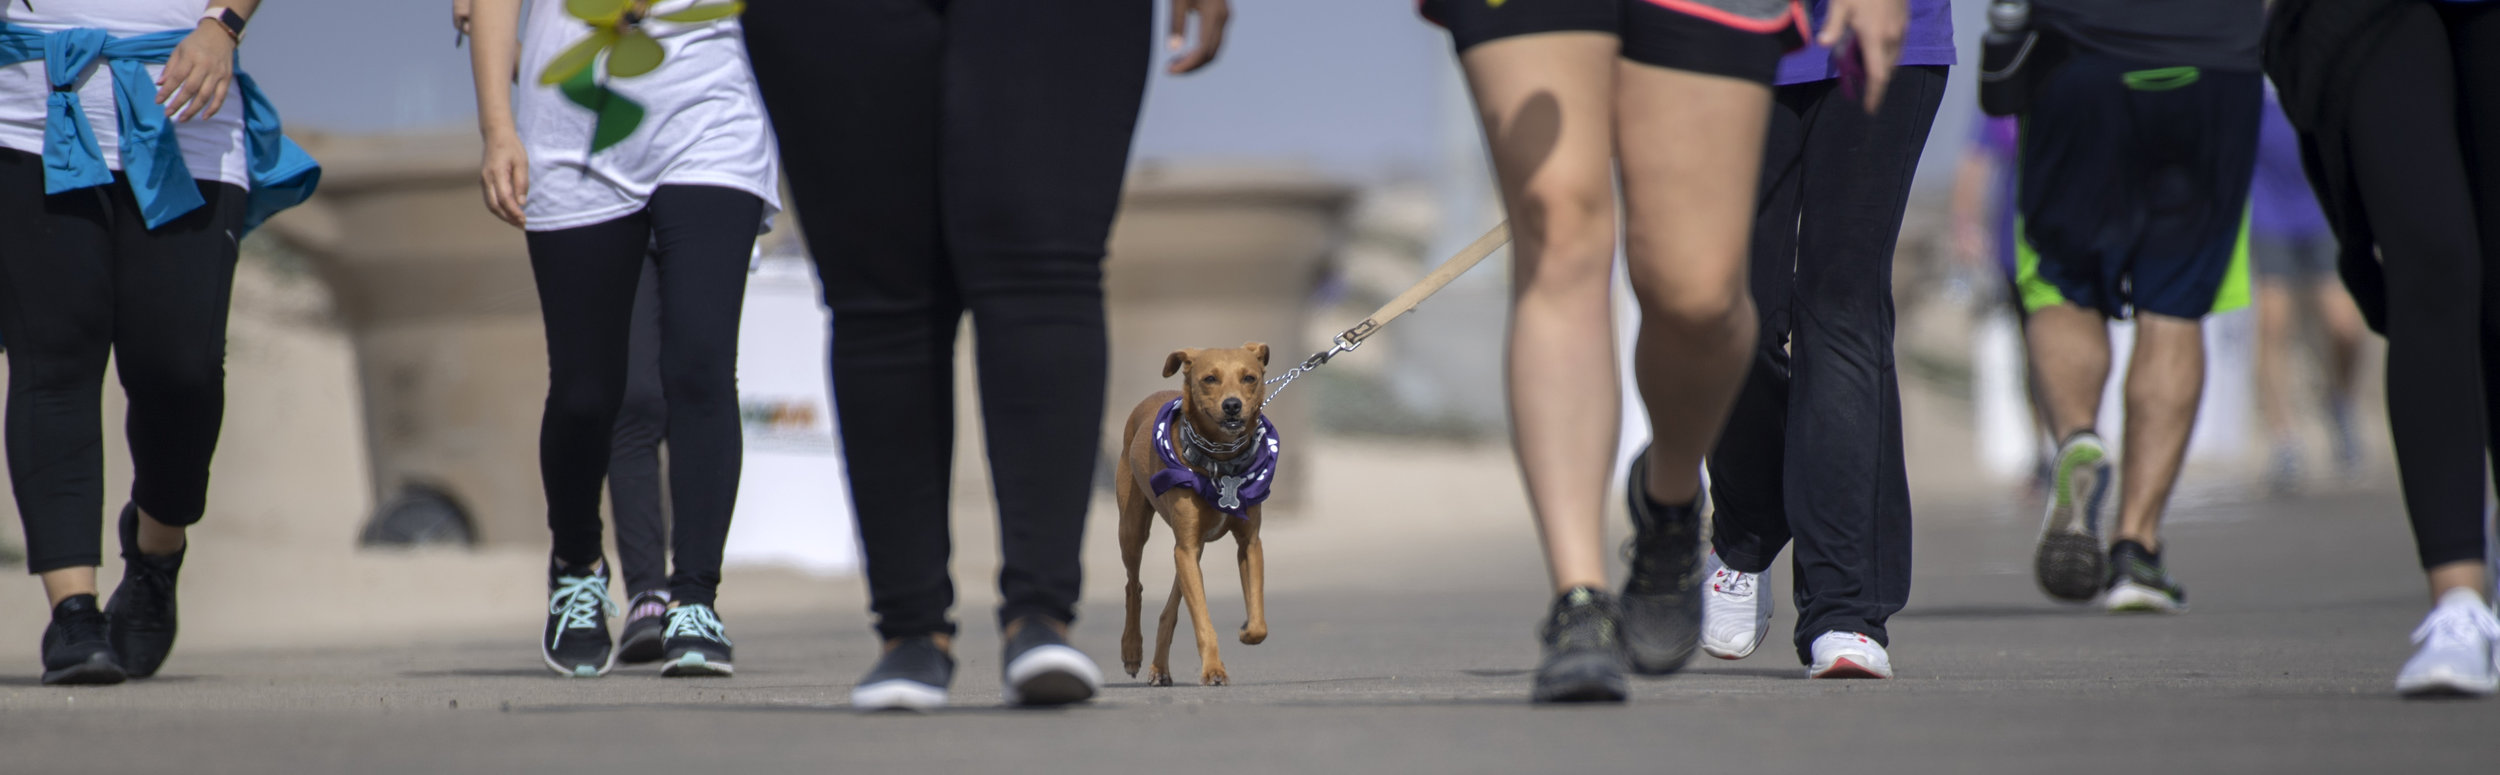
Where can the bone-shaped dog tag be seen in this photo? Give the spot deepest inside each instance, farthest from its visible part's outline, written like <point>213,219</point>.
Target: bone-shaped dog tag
<point>1228,492</point>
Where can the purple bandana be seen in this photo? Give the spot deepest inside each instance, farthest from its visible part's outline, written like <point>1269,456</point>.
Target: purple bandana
<point>1233,485</point>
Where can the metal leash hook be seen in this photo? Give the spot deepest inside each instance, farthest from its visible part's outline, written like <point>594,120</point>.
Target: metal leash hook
<point>1432,283</point>
<point>1339,346</point>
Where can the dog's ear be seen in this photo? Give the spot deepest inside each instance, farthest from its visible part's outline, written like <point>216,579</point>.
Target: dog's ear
<point>1257,347</point>
<point>1172,363</point>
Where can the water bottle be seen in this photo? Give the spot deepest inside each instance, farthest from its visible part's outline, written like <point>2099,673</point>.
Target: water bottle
<point>2004,87</point>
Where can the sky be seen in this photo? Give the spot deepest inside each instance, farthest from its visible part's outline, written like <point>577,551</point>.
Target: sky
<point>1360,89</point>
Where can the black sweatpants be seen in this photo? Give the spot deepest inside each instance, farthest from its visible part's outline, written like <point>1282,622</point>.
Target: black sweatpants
<point>587,278</point>
<point>953,156</point>
<point>2424,136</point>
<point>82,278</point>
<point>1812,448</point>
<point>634,457</point>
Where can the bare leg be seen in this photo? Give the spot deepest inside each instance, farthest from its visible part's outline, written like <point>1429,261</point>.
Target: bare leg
<point>2070,355</point>
<point>1689,206</point>
<point>2275,330</point>
<point>1546,103</point>
<point>2165,380</point>
<point>64,583</point>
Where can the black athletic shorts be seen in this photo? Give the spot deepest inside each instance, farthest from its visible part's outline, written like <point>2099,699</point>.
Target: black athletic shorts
<point>1733,38</point>
<point>2134,187</point>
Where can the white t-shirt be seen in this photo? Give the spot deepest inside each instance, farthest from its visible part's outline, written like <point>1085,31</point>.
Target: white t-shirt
<point>213,145</point>
<point>703,122</point>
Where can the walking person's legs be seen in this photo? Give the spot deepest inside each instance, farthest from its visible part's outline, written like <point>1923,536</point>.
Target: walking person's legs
<point>860,82</point>
<point>586,279</point>
<point>2279,295</point>
<point>634,480</point>
<point>1041,102</point>
<point>1847,484</point>
<point>704,235</point>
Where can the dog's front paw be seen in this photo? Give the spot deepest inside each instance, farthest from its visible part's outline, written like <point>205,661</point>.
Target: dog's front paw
<point>1131,667</point>
<point>1253,634</point>
<point>1158,677</point>
<point>1213,676</point>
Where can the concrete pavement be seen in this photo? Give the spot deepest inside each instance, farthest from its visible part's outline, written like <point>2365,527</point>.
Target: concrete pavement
<point>1400,643</point>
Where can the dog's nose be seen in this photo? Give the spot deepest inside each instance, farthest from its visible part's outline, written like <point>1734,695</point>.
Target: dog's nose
<point>1232,406</point>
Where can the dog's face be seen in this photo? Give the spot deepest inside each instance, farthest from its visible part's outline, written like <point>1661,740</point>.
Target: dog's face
<point>1221,389</point>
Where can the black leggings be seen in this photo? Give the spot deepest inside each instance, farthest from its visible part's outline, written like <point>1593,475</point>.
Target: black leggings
<point>587,277</point>
<point>2425,141</point>
<point>951,156</point>
<point>634,459</point>
<point>82,278</point>
<point>1812,449</point>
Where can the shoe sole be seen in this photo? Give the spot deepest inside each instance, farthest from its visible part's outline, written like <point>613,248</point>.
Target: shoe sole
<point>2069,564</point>
<point>642,649</point>
<point>1594,690</point>
<point>696,665</point>
<point>898,694</point>
<point>1845,667</point>
<point>1051,675</point>
<point>98,670</point>
<point>2133,598</point>
<point>1731,654</point>
<point>576,671</point>
<point>2446,684</point>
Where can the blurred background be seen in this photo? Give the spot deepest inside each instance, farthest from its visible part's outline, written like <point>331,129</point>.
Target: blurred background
<point>386,371</point>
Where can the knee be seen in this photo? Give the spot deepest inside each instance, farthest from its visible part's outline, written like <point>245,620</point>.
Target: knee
<point>1701,311</point>
<point>583,402</point>
<point>191,377</point>
<point>1565,234</point>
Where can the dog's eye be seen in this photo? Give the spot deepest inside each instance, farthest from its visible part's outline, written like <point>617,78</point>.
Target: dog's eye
<point>1208,379</point>
<point>1249,379</point>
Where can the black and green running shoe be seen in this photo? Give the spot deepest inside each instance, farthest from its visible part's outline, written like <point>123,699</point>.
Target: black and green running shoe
<point>2137,583</point>
<point>2068,563</point>
<point>1584,658</point>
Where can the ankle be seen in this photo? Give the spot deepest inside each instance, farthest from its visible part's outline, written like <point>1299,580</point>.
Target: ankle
<point>159,539</point>
<point>943,642</point>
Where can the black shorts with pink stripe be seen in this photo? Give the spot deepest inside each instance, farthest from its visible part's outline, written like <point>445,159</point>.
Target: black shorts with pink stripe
<point>1733,38</point>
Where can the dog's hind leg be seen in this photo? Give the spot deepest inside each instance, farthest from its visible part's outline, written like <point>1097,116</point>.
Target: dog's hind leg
<point>1161,673</point>
<point>1137,515</point>
<point>1253,561</point>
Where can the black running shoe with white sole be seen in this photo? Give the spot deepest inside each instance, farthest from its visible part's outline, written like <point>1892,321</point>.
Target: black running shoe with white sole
<point>76,649</point>
<point>1584,657</point>
<point>576,642</point>
<point>1043,670</point>
<point>2068,563</point>
<point>697,644</point>
<point>912,675</point>
<point>2138,584</point>
<point>646,626</point>
<point>141,611</point>
<point>1662,597</point>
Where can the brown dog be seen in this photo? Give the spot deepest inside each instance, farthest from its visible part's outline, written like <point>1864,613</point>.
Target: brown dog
<point>1204,464</point>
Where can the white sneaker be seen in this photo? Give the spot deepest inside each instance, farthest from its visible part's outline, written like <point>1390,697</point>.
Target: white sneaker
<point>1735,610</point>
<point>2456,657</point>
<point>1848,655</point>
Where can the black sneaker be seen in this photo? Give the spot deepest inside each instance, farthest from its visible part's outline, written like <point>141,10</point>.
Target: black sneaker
<point>1042,669</point>
<point>646,623</point>
<point>577,643</point>
<point>75,647</point>
<point>2138,584</point>
<point>912,675</point>
<point>697,646</point>
<point>142,609</point>
<point>1662,597</point>
<point>1584,660</point>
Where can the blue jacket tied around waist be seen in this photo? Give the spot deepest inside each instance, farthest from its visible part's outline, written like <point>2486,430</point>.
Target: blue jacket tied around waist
<point>282,174</point>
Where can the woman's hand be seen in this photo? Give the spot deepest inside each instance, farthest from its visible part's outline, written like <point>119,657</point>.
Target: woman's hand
<point>460,15</point>
<point>1877,27</point>
<point>198,73</point>
<point>506,174</point>
<point>1212,16</point>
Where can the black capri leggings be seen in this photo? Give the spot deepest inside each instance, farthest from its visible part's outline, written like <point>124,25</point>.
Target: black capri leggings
<point>2425,139</point>
<point>82,278</point>
<point>951,156</point>
<point>587,277</point>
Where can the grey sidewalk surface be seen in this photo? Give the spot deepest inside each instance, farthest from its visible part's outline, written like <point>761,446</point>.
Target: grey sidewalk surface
<point>1415,662</point>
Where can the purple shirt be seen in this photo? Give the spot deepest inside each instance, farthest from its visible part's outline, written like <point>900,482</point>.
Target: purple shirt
<point>1928,41</point>
<point>2280,202</point>
<point>1995,136</point>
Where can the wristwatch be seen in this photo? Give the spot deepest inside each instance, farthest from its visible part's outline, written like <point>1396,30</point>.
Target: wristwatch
<point>232,21</point>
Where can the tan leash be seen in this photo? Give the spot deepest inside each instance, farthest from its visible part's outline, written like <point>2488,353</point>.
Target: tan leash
<point>1466,259</point>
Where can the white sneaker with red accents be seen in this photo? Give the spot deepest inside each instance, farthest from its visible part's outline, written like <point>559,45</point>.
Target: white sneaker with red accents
<point>1735,609</point>
<point>1848,655</point>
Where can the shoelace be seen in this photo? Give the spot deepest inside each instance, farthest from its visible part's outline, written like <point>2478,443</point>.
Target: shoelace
<point>695,621</point>
<point>583,602</point>
<point>2445,628</point>
<point>1733,582</point>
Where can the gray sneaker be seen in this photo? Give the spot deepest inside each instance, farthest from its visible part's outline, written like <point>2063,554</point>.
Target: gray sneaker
<point>2455,658</point>
<point>2068,563</point>
<point>1661,600</point>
